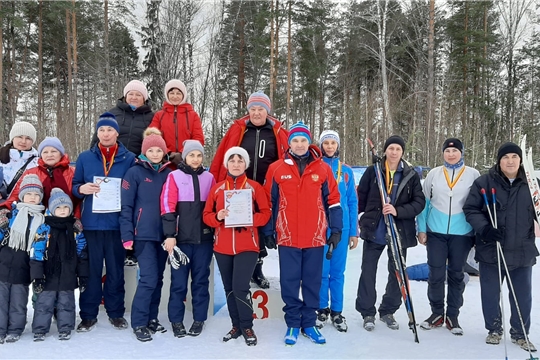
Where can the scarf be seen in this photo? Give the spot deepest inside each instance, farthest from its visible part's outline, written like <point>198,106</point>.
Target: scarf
<point>17,238</point>
<point>454,166</point>
<point>156,167</point>
<point>55,178</point>
<point>62,247</point>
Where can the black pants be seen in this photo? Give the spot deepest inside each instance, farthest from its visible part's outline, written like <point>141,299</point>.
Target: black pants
<point>236,273</point>
<point>367,293</point>
<point>64,301</point>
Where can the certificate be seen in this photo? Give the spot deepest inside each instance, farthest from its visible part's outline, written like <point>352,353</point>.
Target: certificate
<point>107,200</point>
<point>239,204</point>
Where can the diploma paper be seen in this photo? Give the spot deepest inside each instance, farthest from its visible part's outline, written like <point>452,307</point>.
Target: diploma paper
<point>107,200</point>
<point>239,203</point>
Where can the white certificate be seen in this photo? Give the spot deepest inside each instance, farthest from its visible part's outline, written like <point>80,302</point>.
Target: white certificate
<point>239,203</point>
<point>107,200</point>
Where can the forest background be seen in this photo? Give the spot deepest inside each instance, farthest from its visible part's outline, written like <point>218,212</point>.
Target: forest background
<point>424,69</point>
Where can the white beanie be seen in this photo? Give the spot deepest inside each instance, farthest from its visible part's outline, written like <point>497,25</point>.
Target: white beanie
<point>23,128</point>
<point>329,134</point>
<point>236,150</point>
<point>175,84</point>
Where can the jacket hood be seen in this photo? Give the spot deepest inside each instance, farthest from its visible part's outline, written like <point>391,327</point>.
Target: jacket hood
<point>63,162</point>
<point>122,104</point>
<point>183,107</point>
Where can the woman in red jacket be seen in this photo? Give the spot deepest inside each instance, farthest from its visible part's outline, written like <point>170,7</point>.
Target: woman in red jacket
<point>237,248</point>
<point>177,120</point>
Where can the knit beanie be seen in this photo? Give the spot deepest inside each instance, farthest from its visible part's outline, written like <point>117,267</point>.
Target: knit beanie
<point>175,84</point>
<point>509,148</point>
<point>259,99</point>
<point>453,142</point>
<point>236,150</point>
<point>59,198</point>
<point>108,119</point>
<point>329,134</point>
<point>51,141</point>
<point>23,128</point>
<point>394,139</point>
<point>299,129</point>
<point>192,145</point>
<point>29,183</point>
<point>136,85</point>
<point>152,137</point>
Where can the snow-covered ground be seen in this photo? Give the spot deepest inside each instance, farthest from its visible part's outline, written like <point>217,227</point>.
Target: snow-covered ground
<point>104,342</point>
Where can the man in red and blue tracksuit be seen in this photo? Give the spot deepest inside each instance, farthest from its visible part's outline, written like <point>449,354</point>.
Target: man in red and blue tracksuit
<point>305,202</point>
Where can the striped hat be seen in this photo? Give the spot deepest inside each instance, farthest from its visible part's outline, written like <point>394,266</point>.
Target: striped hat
<point>259,99</point>
<point>329,134</point>
<point>29,183</point>
<point>299,129</point>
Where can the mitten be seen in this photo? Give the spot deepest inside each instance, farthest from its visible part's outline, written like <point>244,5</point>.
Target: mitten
<point>83,281</point>
<point>4,218</point>
<point>77,225</point>
<point>270,242</point>
<point>240,229</point>
<point>492,234</point>
<point>334,239</point>
<point>38,285</point>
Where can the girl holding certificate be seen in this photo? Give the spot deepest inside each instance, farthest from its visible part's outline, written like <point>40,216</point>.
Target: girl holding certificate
<point>236,243</point>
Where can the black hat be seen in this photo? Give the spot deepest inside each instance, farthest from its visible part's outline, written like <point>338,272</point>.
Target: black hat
<point>452,142</point>
<point>394,139</point>
<point>509,148</point>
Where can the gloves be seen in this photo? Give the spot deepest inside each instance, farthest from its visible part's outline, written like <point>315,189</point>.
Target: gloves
<point>77,225</point>
<point>175,158</point>
<point>177,258</point>
<point>83,281</point>
<point>38,285</point>
<point>492,234</point>
<point>334,239</point>
<point>270,242</point>
<point>4,218</point>
<point>240,229</point>
<point>128,244</point>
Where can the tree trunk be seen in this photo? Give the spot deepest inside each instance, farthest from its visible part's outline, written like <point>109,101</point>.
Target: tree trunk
<point>3,127</point>
<point>272,39</point>
<point>66,121</point>
<point>241,103</point>
<point>289,66</point>
<point>73,120</point>
<point>381,27</point>
<point>107,54</point>
<point>431,79</point>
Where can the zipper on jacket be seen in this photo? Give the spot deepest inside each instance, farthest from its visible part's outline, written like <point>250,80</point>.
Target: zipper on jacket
<point>175,127</point>
<point>450,206</point>
<point>130,128</point>
<point>138,219</point>
<point>256,154</point>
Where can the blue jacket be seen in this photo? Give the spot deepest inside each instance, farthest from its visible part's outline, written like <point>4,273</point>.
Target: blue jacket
<point>347,195</point>
<point>140,218</point>
<point>90,164</point>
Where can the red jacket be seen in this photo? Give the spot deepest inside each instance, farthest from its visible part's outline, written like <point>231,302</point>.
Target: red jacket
<point>178,123</point>
<point>42,173</point>
<point>229,241</point>
<point>303,205</point>
<point>234,136</point>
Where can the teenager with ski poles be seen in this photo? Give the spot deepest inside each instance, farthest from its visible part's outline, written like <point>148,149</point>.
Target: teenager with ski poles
<point>447,235</point>
<point>406,201</point>
<point>514,232</point>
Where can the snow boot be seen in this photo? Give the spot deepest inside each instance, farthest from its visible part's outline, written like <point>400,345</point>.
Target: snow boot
<point>291,336</point>
<point>389,320</point>
<point>452,324</point>
<point>493,338</point>
<point>322,317</point>
<point>64,335</point>
<point>258,276</point>
<point>119,323</point>
<point>154,326</point>
<point>314,335</point>
<point>250,337</point>
<point>142,333</point>
<point>435,320</point>
<point>338,321</point>
<point>86,325</point>
<point>369,323</point>
<point>233,334</point>
<point>178,329</point>
<point>196,328</point>
<point>522,343</point>
<point>39,337</point>
<point>11,338</point>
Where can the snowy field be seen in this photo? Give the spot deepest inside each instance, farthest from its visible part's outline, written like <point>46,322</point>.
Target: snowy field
<point>104,342</point>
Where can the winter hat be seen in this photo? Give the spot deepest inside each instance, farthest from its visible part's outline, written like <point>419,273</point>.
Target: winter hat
<point>59,198</point>
<point>299,129</point>
<point>259,99</point>
<point>30,182</point>
<point>108,119</point>
<point>453,142</point>
<point>329,134</point>
<point>508,148</point>
<point>175,84</point>
<point>394,139</point>
<point>236,150</point>
<point>23,128</point>
<point>51,141</point>
<point>152,137</point>
<point>192,145</point>
<point>136,85</point>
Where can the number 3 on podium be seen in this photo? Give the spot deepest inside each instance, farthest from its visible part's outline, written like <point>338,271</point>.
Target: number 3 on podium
<point>261,304</point>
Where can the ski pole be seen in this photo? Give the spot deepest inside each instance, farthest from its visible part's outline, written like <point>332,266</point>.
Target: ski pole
<point>483,191</point>
<point>329,252</point>
<point>509,280</point>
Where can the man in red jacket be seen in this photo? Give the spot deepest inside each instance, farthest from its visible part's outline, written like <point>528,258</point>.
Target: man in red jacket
<point>305,203</point>
<point>262,136</point>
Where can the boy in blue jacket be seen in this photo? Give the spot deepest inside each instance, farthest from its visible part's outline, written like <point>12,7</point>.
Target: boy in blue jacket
<point>333,275</point>
<point>105,162</point>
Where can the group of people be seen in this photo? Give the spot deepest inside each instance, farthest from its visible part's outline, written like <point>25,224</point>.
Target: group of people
<point>163,205</point>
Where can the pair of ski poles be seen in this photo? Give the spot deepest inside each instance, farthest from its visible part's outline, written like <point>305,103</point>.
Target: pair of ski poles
<point>500,255</point>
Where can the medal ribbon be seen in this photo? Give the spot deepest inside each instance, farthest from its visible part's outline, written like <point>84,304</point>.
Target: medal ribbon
<point>389,180</point>
<point>452,183</point>
<point>338,172</point>
<point>241,187</point>
<point>107,169</point>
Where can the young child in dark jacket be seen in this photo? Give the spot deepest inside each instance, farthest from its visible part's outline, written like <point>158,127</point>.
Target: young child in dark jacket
<point>58,265</point>
<point>15,243</point>
<point>141,230</point>
<point>182,203</point>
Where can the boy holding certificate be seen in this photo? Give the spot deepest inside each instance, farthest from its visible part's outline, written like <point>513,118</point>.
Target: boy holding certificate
<point>305,203</point>
<point>236,244</point>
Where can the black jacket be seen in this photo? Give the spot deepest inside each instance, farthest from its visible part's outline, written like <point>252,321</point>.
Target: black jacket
<point>410,201</point>
<point>261,146</point>
<point>132,124</point>
<point>515,215</point>
<point>15,264</point>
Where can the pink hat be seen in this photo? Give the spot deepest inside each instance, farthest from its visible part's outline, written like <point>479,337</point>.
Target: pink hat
<point>136,85</point>
<point>175,84</point>
<point>152,137</point>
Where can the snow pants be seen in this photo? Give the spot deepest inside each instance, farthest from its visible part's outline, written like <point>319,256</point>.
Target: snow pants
<point>13,308</point>
<point>333,276</point>
<point>64,301</point>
